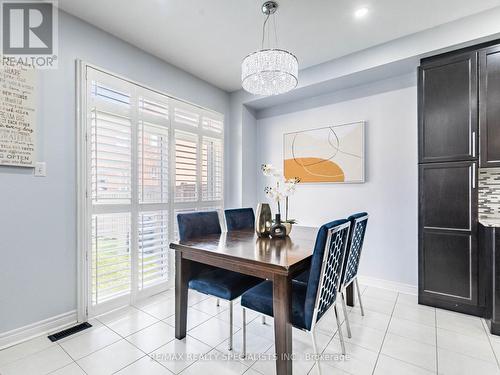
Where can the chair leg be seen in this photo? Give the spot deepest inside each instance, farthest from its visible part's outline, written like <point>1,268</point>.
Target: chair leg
<point>230,325</point>
<point>263,319</point>
<point>244,354</point>
<point>341,336</point>
<point>359,297</point>
<point>346,318</point>
<point>217,303</point>
<point>315,348</point>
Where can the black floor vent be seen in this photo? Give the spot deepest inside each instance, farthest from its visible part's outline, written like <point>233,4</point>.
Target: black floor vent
<point>69,331</point>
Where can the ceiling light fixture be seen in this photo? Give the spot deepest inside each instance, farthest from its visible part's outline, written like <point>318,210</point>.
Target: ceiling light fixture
<point>269,71</point>
<point>361,12</point>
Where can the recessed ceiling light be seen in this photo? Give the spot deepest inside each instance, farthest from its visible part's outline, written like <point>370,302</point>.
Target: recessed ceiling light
<point>361,12</point>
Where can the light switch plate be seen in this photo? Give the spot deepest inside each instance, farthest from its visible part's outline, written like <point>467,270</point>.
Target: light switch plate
<point>40,169</point>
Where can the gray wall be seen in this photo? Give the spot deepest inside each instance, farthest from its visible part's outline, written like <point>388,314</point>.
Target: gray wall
<point>38,215</point>
<point>389,194</point>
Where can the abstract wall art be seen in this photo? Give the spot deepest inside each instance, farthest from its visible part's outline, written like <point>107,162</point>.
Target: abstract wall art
<point>329,154</point>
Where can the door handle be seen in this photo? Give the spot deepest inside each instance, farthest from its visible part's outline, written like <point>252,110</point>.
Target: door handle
<point>473,144</point>
<point>473,175</point>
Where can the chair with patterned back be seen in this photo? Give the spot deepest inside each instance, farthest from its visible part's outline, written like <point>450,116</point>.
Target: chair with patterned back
<point>358,222</point>
<point>311,300</point>
<point>217,282</point>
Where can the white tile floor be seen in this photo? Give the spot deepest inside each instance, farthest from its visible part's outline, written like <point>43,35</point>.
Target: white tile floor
<point>396,336</point>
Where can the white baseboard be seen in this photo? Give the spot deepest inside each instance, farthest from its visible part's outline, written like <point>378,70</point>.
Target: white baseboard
<point>390,285</point>
<point>46,326</point>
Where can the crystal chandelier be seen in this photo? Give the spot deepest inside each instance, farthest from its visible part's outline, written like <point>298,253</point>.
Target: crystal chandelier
<point>269,71</point>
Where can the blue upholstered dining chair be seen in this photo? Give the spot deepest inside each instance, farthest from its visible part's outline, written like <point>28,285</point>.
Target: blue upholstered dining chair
<point>358,222</point>
<point>239,219</point>
<point>311,300</point>
<point>206,279</point>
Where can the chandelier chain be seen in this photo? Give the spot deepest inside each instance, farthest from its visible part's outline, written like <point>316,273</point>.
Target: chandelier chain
<point>275,32</point>
<point>264,31</point>
<point>269,71</point>
<point>275,27</point>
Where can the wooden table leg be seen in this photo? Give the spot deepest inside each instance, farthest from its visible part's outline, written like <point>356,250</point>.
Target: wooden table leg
<point>350,294</point>
<point>282,311</point>
<point>181,294</point>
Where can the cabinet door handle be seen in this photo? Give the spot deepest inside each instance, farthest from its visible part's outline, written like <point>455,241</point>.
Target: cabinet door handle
<point>474,175</point>
<point>474,144</point>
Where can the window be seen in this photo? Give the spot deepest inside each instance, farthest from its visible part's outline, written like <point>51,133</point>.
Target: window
<point>148,156</point>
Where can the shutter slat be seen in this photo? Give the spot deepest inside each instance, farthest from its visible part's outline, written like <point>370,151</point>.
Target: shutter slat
<point>110,241</point>
<point>152,232</point>
<point>186,166</point>
<point>105,151</point>
<point>212,169</point>
<point>153,163</point>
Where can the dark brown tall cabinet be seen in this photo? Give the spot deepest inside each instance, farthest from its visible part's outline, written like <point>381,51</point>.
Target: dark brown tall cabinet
<point>448,198</point>
<point>489,106</point>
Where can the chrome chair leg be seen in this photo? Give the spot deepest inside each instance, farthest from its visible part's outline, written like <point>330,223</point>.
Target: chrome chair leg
<point>230,325</point>
<point>217,303</point>
<point>244,353</point>
<point>315,348</point>
<point>346,318</point>
<point>263,319</point>
<point>341,336</point>
<point>359,297</point>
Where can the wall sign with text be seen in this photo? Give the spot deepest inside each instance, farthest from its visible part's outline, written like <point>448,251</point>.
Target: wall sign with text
<point>17,116</point>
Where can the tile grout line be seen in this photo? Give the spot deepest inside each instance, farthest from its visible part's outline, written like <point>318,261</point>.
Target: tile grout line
<point>483,323</point>
<point>187,330</point>
<point>122,338</point>
<point>130,364</point>
<point>462,353</point>
<point>385,334</point>
<point>106,346</point>
<point>152,316</point>
<point>476,358</point>
<point>28,355</point>
<point>188,366</point>
<point>334,334</point>
<point>148,354</point>
<point>125,338</point>
<point>64,350</point>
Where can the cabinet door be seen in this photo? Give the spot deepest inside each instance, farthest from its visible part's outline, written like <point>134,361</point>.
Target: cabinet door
<point>448,109</point>
<point>448,251</point>
<point>448,195</point>
<point>450,261</point>
<point>489,106</point>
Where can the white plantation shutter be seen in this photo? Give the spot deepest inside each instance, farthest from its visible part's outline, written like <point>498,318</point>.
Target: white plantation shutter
<point>211,169</point>
<point>153,163</point>
<point>110,134</point>
<point>186,115</point>
<point>111,262</point>
<point>153,248</point>
<point>186,167</point>
<point>149,157</point>
<point>212,124</point>
<point>111,158</point>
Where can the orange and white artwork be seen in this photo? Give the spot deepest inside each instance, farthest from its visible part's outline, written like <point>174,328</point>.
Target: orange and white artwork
<point>329,154</point>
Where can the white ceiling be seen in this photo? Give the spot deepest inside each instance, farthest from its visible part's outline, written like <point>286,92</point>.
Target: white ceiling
<point>209,38</point>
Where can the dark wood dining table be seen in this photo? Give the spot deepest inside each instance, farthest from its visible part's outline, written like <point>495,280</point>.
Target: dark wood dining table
<point>279,260</point>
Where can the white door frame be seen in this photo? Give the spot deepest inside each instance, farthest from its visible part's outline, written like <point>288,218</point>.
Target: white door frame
<point>81,192</point>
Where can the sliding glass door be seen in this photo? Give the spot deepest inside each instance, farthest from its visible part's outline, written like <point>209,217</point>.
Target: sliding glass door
<point>148,156</point>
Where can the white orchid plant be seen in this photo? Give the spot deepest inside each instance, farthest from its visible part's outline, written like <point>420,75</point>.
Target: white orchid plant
<point>282,190</point>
